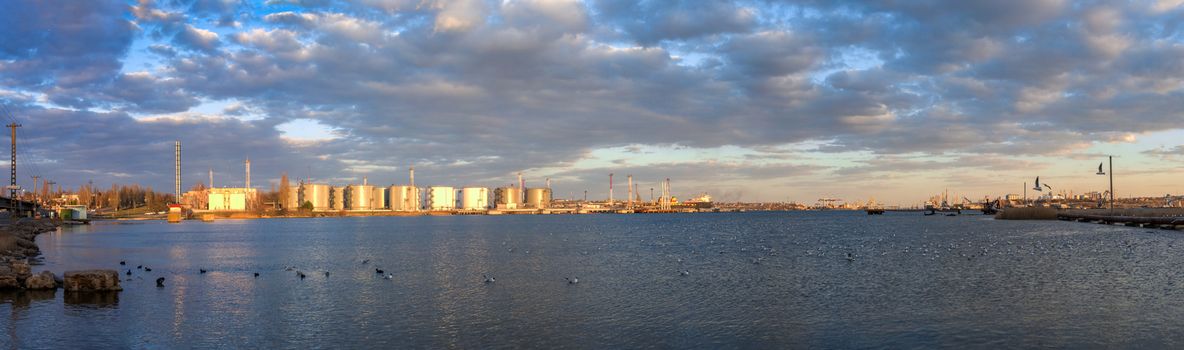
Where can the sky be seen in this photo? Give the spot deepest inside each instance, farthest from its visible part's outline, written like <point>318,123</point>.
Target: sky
<point>745,100</point>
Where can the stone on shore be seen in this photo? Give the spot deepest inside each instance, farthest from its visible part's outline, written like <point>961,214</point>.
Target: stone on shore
<point>9,281</point>
<point>92,281</point>
<point>41,281</point>
<point>21,269</point>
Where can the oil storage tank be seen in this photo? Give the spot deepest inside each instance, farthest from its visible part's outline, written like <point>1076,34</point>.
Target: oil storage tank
<point>317,194</point>
<point>474,198</point>
<point>441,198</point>
<point>359,197</point>
<point>337,198</point>
<point>404,198</point>
<point>379,198</point>
<point>538,198</point>
<point>507,198</point>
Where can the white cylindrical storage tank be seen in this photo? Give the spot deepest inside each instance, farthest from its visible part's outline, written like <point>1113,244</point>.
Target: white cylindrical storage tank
<point>337,198</point>
<point>538,198</point>
<point>316,194</point>
<point>358,197</point>
<point>474,198</point>
<point>507,198</point>
<point>379,198</point>
<point>441,198</point>
<point>404,198</point>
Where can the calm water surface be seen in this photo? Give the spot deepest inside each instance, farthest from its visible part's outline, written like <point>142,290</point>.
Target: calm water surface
<point>756,280</point>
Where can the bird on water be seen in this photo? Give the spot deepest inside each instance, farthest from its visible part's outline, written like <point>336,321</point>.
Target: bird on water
<point>129,272</point>
<point>147,269</point>
<point>389,276</point>
<point>379,271</point>
<point>488,279</point>
<point>256,274</point>
<point>572,280</point>
<point>201,270</point>
<point>121,262</point>
<point>160,282</point>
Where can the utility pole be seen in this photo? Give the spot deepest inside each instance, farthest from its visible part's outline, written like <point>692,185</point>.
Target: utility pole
<point>35,196</point>
<point>12,180</point>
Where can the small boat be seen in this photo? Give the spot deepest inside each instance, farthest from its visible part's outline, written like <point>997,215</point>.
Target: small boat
<point>875,212</point>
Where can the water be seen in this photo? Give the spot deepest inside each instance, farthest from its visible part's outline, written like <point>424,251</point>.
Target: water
<point>756,280</point>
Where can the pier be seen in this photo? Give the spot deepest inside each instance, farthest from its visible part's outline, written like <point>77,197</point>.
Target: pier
<point>1166,223</point>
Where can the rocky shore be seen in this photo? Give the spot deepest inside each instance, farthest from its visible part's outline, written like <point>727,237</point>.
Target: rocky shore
<point>18,245</point>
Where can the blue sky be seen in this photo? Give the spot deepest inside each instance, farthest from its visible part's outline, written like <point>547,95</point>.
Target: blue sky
<point>746,100</point>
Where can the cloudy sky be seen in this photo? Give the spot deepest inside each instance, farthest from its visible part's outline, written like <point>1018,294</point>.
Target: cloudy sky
<point>746,100</point>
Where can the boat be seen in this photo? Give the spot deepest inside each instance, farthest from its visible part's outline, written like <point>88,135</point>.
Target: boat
<point>701,202</point>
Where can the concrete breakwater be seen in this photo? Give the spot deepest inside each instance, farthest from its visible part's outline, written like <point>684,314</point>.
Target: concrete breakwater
<point>18,245</point>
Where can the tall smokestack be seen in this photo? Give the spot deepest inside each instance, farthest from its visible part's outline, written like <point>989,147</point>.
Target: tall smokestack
<point>211,178</point>
<point>610,189</point>
<point>248,172</point>
<point>365,181</point>
<point>521,188</point>
<point>548,183</point>
<point>177,179</point>
<point>630,191</point>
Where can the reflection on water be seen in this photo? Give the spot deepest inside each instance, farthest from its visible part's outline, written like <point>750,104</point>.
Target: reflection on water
<point>764,280</point>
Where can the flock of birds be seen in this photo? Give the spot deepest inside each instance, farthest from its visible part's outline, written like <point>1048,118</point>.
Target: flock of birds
<point>301,275</point>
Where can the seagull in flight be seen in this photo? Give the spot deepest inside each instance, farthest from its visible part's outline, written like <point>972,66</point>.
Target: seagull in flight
<point>1100,172</point>
<point>1038,188</point>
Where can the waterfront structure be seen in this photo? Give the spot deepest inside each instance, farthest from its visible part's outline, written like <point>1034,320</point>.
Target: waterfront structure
<point>378,199</point>
<point>507,198</point>
<point>538,198</point>
<point>230,199</point>
<point>359,197</point>
<point>317,195</point>
<point>404,198</point>
<point>474,198</point>
<point>337,198</point>
<point>441,198</point>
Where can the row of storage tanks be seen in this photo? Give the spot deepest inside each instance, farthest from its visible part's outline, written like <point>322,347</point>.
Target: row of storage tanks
<point>408,198</point>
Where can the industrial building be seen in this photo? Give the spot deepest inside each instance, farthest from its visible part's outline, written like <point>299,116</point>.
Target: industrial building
<point>441,198</point>
<point>474,198</point>
<point>359,197</point>
<point>507,198</point>
<point>230,199</point>
<point>404,198</point>
<point>538,198</point>
<point>337,198</point>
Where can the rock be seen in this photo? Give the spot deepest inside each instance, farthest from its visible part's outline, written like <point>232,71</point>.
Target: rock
<point>41,281</point>
<point>21,269</point>
<point>9,281</point>
<point>92,281</point>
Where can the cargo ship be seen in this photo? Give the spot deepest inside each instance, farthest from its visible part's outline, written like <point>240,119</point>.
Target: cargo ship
<point>701,202</point>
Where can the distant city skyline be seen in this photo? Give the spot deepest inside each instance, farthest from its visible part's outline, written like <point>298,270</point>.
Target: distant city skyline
<point>744,100</point>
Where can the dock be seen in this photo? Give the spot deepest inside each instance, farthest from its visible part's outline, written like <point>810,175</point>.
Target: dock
<point>1159,222</point>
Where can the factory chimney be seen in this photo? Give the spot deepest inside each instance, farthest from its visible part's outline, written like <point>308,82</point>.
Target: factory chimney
<point>630,191</point>
<point>610,189</point>
<point>521,188</point>
<point>248,172</point>
<point>177,165</point>
<point>548,183</point>
<point>211,178</point>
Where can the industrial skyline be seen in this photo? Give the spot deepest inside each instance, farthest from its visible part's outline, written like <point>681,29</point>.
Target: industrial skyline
<point>745,100</point>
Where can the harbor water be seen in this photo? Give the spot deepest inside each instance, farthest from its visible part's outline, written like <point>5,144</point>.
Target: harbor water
<point>719,280</point>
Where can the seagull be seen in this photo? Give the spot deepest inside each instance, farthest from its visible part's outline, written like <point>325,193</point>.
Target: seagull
<point>147,269</point>
<point>1038,188</point>
<point>202,270</point>
<point>129,272</point>
<point>301,274</point>
<point>488,279</point>
<point>389,276</point>
<point>1100,172</point>
<point>160,282</point>
<point>141,267</point>
<point>379,271</point>
<point>121,262</point>
<point>573,280</point>
<point>326,273</point>
<point>1049,187</point>
<point>850,257</point>
<point>256,274</point>
<point>684,273</point>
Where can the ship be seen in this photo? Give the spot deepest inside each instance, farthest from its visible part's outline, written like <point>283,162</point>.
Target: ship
<point>701,202</point>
